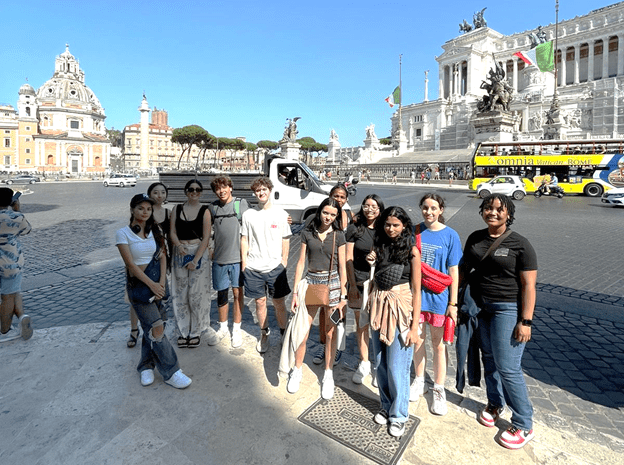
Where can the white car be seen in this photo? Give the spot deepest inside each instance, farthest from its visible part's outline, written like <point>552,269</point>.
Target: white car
<point>121,180</point>
<point>510,185</point>
<point>614,196</point>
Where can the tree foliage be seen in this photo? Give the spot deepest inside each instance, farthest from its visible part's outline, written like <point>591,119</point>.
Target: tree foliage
<point>309,146</point>
<point>385,141</point>
<point>187,137</point>
<point>115,137</point>
<point>268,145</point>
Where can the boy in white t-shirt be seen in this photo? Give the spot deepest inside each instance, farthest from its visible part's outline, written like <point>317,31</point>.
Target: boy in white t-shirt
<point>265,243</point>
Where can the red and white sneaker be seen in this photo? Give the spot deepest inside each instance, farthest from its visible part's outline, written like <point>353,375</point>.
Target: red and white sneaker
<point>515,438</point>
<point>489,415</point>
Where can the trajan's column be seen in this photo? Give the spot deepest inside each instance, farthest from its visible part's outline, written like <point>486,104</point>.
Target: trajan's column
<point>144,155</point>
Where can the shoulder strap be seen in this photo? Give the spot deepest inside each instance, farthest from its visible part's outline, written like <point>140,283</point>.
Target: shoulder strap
<point>496,243</point>
<point>418,243</point>
<point>331,260</point>
<point>213,210</point>
<point>237,211</point>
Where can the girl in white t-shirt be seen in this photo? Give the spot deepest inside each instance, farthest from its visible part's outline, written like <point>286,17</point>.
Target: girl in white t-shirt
<point>141,245</point>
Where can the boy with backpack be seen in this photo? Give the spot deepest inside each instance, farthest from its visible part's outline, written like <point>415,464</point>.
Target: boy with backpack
<point>227,213</point>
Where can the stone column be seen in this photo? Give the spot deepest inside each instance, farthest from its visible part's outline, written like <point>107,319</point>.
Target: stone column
<point>441,83</point>
<point>144,132</point>
<point>577,61</point>
<point>620,68</point>
<point>460,77</point>
<point>514,82</point>
<point>590,60</point>
<point>605,57</point>
<point>455,76</point>
<point>563,67</point>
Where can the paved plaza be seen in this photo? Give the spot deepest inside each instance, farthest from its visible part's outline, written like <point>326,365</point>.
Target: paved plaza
<point>573,364</point>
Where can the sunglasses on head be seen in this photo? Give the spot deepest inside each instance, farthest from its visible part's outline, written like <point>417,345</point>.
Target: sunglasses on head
<point>194,189</point>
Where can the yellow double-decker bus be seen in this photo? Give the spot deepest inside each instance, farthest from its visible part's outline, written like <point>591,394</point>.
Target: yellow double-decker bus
<point>587,167</point>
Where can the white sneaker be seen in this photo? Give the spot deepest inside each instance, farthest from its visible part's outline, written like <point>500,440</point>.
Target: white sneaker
<point>179,380</point>
<point>294,381</point>
<point>264,343</point>
<point>25,328</point>
<point>147,377</point>
<point>10,335</point>
<point>214,337</point>
<point>237,338</point>
<point>438,407</point>
<point>327,385</point>
<point>362,372</point>
<point>417,389</point>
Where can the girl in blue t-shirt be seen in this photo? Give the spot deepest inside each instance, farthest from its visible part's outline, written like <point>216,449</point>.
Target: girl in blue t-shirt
<point>441,249</point>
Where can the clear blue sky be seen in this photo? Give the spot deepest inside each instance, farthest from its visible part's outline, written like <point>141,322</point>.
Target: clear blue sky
<point>241,68</point>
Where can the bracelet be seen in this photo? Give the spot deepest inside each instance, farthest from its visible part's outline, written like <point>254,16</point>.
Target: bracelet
<point>452,304</point>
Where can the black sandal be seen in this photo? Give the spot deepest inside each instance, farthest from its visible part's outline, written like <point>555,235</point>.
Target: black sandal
<point>133,339</point>
<point>183,342</point>
<point>193,342</point>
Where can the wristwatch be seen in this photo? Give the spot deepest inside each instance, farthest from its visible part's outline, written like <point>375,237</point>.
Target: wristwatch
<point>344,297</point>
<point>526,322</point>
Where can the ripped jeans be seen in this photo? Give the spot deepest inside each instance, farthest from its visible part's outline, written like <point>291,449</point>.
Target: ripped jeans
<point>155,352</point>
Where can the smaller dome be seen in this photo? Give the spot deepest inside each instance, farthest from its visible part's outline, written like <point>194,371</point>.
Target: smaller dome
<point>27,89</point>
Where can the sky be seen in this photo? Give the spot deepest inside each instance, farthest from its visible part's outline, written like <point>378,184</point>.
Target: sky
<point>240,68</point>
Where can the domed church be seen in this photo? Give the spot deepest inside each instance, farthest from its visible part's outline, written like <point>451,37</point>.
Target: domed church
<point>60,126</point>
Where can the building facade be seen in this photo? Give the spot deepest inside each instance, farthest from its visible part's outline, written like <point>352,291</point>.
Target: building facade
<point>58,128</point>
<point>590,74</point>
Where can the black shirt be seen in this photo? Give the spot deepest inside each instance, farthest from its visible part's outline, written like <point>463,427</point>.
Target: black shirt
<point>319,252</point>
<point>362,246</point>
<point>498,276</point>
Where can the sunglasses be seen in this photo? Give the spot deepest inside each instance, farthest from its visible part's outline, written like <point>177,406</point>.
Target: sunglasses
<point>194,189</point>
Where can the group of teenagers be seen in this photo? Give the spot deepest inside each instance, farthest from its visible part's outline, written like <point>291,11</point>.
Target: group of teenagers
<point>371,262</point>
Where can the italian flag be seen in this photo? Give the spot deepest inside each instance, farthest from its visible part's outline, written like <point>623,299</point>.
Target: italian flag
<point>541,56</point>
<point>394,98</point>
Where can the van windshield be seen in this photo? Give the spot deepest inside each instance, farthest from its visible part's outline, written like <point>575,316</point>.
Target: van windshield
<point>310,173</point>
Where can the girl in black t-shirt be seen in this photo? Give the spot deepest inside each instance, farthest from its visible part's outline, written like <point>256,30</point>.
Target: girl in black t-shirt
<point>320,240</point>
<point>504,284</point>
<point>360,236</point>
<point>394,308</point>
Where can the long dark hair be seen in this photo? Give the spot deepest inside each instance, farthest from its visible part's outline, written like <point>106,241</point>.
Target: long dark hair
<point>154,186</point>
<point>397,251</point>
<point>360,220</point>
<point>316,223</point>
<point>437,198</point>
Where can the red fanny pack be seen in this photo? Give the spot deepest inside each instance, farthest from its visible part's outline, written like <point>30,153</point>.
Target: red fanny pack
<point>432,279</point>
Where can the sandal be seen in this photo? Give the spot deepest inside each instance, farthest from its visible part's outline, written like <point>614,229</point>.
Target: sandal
<point>193,342</point>
<point>183,342</point>
<point>133,339</point>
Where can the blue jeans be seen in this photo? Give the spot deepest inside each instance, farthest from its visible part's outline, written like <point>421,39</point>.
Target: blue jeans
<point>502,356</point>
<point>393,376</point>
<point>155,352</point>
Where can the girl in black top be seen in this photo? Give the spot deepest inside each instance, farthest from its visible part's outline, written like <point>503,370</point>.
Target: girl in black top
<point>503,285</point>
<point>190,279</point>
<point>321,240</point>
<point>360,236</point>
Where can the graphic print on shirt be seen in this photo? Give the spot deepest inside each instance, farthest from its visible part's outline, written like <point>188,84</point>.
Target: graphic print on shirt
<point>429,253</point>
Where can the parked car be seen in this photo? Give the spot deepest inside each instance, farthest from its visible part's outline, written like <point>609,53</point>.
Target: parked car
<point>23,179</point>
<point>614,196</point>
<point>510,185</point>
<point>121,180</point>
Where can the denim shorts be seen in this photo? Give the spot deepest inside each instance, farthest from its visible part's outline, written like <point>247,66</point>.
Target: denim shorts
<point>274,283</point>
<point>11,285</point>
<point>224,276</point>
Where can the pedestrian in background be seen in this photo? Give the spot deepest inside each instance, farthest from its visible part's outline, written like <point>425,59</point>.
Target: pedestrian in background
<point>441,250</point>
<point>190,277</point>
<point>360,237</point>
<point>12,225</point>
<point>394,310</point>
<point>142,248</point>
<point>503,285</point>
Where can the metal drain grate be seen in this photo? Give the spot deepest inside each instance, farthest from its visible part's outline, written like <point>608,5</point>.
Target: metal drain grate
<point>348,419</point>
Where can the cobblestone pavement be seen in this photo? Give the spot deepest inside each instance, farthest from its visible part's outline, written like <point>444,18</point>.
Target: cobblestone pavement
<point>573,364</point>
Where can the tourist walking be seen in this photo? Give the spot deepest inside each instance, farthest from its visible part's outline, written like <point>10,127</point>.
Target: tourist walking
<point>440,248</point>
<point>265,243</point>
<point>503,285</point>
<point>394,309</point>
<point>323,250</point>
<point>12,225</point>
<point>227,213</point>
<point>142,248</point>
<point>190,277</point>
<point>360,237</point>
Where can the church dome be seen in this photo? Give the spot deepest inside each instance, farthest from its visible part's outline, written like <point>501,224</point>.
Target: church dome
<point>27,89</point>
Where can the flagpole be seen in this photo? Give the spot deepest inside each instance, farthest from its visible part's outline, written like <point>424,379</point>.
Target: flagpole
<point>555,103</point>
<point>400,97</point>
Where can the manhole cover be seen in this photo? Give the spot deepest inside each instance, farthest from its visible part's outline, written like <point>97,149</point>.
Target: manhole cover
<point>348,419</point>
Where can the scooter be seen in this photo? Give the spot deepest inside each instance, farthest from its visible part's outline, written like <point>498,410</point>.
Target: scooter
<point>555,191</point>
<point>351,189</point>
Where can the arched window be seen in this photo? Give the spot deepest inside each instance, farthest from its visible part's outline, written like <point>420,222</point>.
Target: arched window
<point>98,161</point>
<point>50,159</point>
<point>27,111</point>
